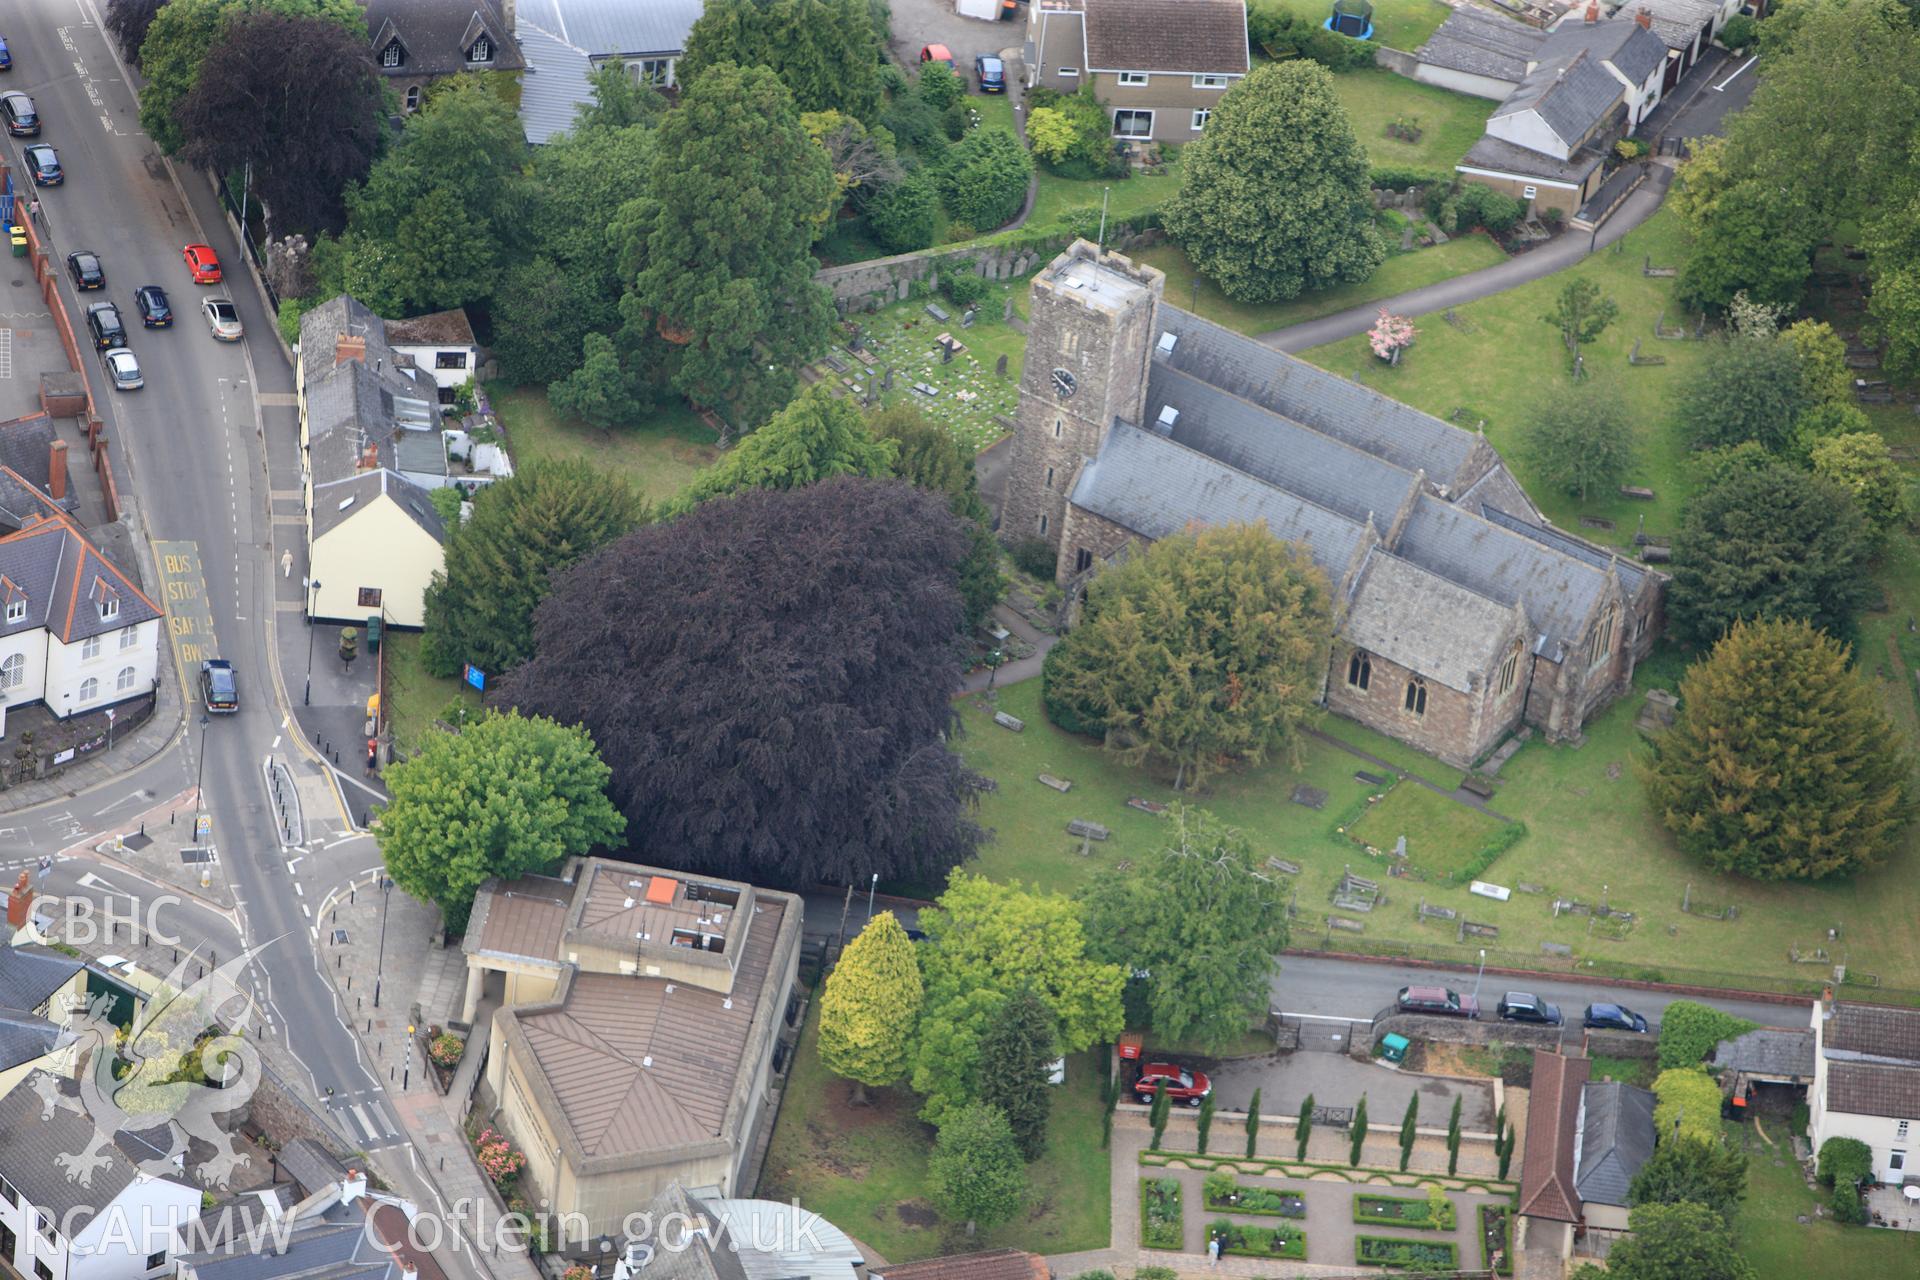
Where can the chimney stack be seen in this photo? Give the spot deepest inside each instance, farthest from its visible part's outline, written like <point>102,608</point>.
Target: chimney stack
<point>1593,11</point>
<point>349,346</point>
<point>353,1186</point>
<point>19,903</point>
<point>57,470</point>
<point>1644,18</point>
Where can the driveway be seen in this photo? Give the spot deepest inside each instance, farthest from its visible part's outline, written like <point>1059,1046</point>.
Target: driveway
<point>923,22</point>
<point>1336,1080</point>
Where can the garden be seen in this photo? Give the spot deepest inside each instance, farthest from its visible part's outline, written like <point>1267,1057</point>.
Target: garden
<point>1226,1194</point>
<point>1434,1213</point>
<point>1238,1240</point>
<point>1162,1226</point>
<point>1446,841</point>
<point>1390,1251</point>
<point>1397,24</point>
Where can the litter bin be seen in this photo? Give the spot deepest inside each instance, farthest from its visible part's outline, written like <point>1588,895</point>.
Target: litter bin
<point>19,237</point>
<point>1394,1048</point>
<point>373,633</point>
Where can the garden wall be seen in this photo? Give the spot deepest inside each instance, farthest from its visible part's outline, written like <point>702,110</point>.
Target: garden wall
<point>1393,60</point>
<point>1612,1044</point>
<point>878,281</point>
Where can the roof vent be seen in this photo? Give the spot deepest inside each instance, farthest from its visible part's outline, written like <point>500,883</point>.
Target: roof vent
<point>1076,284</point>
<point>647,1061</point>
<point>1167,341</point>
<point>727,1003</point>
<point>346,503</point>
<point>1168,416</point>
<point>627,905</point>
<point>669,988</point>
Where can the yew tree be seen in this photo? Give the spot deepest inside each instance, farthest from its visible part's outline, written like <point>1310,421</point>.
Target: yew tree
<point>1781,764</point>
<point>868,1007</point>
<point>1016,1069</point>
<point>826,52</point>
<point>818,436</point>
<point>769,678</point>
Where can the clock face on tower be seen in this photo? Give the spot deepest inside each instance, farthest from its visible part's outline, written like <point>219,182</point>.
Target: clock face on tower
<point>1063,384</point>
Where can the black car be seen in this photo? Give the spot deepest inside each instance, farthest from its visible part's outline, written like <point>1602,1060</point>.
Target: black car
<point>217,688</point>
<point>150,300</point>
<point>103,322</point>
<point>43,163</point>
<point>992,73</point>
<point>84,266</point>
<point>1519,1006</point>
<point>22,120</point>
<point>1613,1017</point>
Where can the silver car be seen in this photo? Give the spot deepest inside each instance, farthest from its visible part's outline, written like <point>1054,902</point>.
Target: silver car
<point>123,369</point>
<point>223,318</point>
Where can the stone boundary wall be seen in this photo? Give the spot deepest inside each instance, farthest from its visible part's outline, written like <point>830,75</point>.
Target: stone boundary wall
<point>1394,60</point>
<point>278,1112</point>
<point>870,285</point>
<point>1482,1031</point>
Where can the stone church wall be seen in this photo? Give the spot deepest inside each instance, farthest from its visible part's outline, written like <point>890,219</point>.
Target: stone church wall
<point>1083,530</point>
<point>1443,731</point>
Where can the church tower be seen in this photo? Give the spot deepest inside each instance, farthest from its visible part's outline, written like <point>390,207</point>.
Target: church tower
<point>1090,333</point>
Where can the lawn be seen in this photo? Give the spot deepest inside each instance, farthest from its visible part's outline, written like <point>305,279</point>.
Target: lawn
<point>1060,197</point>
<point>1442,835</point>
<point>1397,24</point>
<point>864,1169</point>
<point>660,454</point>
<point>1399,273</point>
<point>1449,123</point>
<point>414,698</point>
<point>1769,1233</point>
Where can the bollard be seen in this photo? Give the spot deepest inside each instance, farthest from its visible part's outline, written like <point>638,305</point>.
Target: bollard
<point>349,982</point>
<point>405,1076</point>
<point>369,1026</point>
<point>389,1075</point>
<point>143,826</point>
<point>336,959</point>
<point>350,896</point>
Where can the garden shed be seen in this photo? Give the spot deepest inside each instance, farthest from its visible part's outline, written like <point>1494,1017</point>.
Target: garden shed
<point>1352,18</point>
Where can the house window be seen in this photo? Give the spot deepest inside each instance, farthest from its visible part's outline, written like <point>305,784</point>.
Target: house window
<point>1897,1161</point>
<point>1043,525</point>
<point>1529,192</point>
<point>392,55</point>
<point>89,689</point>
<point>109,608</point>
<point>657,72</point>
<point>129,638</point>
<point>1069,72</point>
<point>1133,124</point>
<point>123,681</point>
<point>155,1261</point>
<point>1057,426</point>
<point>413,98</point>
<point>1417,696</point>
<point>42,1270</point>
<point>1133,79</point>
<point>1360,671</point>
<point>370,597</point>
<point>1900,1132</point>
<point>449,359</point>
<point>482,51</point>
<point>1200,119</point>
<point>1509,671</point>
<point>1083,561</point>
<point>13,674</point>
<point>89,648</point>
<point>17,610</point>
<point>1209,82</point>
<point>7,1192</point>
<point>1601,646</point>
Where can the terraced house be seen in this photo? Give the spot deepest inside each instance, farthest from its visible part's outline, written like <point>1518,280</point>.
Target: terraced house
<point>1460,612</point>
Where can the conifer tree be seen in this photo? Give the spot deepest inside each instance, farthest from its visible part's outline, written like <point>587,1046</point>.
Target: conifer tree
<point>869,1005</point>
<point>1016,1060</point>
<point>1158,1112</point>
<point>1358,1138</point>
<point>1253,1123</point>
<point>1303,1128</point>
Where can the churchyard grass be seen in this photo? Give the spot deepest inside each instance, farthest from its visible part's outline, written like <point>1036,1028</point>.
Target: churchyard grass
<point>864,1169</point>
<point>1768,1230</point>
<point>1060,199</point>
<point>1397,24</point>
<point>1449,123</point>
<point>659,454</point>
<point>1442,834</point>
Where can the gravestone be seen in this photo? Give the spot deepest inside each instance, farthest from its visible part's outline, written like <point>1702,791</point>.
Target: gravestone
<point>886,379</point>
<point>1371,779</point>
<point>1006,311</point>
<point>1556,949</point>
<point>1058,784</point>
<point>946,351</point>
<point>904,290</point>
<point>1285,866</point>
<point>966,319</point>
<point>1400,847</point>
<point>1000,366</point>
<point>1087,830</point>
<point>1309,797</point>
<point>1153,807</point>
<point>1006,721</point>
<point>1350,926</point>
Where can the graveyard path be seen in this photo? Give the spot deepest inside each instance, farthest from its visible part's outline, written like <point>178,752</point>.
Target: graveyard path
<point>1567,250</point>
<point>1020,668</point>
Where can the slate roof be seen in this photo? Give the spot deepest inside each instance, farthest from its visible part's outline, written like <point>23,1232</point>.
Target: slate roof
<point>311,1165</point>
<point>66,580</point>
<point>1571,97</point>
<point>1483,44</point>
<point>714,1255</point>
<point>436,35</point>
<point>30,975</point>
<point>993,1264</point>
<point>362,490</point>
<point>1867,1089</point>
<point>1633,50</point>
<point>554,86</point>
<point>1423,622</point>
<point>1500,156</point>
<point>1676,22</point>
<point>435,329</point>
<point>24,1037</point>
<point>25,453</point>
<point>361,1240</point>
<point>604,28</point>
<point>1767,1051</point>
<point>1553,1107</point>
<point>31,1144</point>
<point>1876,1030</point>
<point>322,327</point>
<point>1631,574</point>
<point>1616,1138</point>
<point>1176,37</point>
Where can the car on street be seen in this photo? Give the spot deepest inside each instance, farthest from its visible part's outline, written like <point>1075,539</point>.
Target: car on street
<point>6,55</point>
<point>103,322</point>
<point>1437,1000</point>
<point>1183,1085</point>
<point>1613,1017</point>
<point>991,72</point>
<point>84,266</point>
<point>150,300</point>
<point>123,368</point>
<point>223,318</point>
<point>936,53</point>
<point>23,121</point>
<point>1521,1006</point>
<point>202,263</point>
<point>43,163</point>
<point>217,688</point>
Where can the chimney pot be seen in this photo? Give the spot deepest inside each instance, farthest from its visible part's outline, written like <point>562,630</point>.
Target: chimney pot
<point>349,346</point>
<point>1644,18</point>
<point>19,903</point>
<point>1593,11</point>
<point>57,470</point>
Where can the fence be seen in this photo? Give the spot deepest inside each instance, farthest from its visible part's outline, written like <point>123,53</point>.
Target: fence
<point>238,223</point>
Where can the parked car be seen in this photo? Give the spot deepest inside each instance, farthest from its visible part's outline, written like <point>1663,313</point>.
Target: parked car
<point>217,688</point>
<point>1438,1000</point>
<point>1182,1085</point>
<point>150,300</point>
<point>123,369</point>
<point>1613,1017</point>
<point>937,53</point>
<point>991,72</point>
<point>223,318</point>
<point>202,263</point>
<point>43,163</point>
<point>84,266</point>
<point>18,111</point>
<point>103,322</point>
<point>1519,1006</point>
<point>6,55</point>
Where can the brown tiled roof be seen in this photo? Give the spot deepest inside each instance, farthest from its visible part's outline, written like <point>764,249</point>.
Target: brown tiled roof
<point>1177,37</point>
<point>1866,1089</point>
<point>1875,1029</point>
<point>1553,1108</point>
<point>638,1064</point>
<point>522,917</point>
<point>623,902</point>
<point>437,328</point>
<point>993,1264</point>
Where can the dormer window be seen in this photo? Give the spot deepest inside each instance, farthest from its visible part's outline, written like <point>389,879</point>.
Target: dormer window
<point>109,608</point>
<point>482,50</point>
<point>393,55</point>
<point>17,610</point>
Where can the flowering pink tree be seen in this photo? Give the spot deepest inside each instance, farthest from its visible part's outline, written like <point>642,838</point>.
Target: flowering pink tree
<point>1390,334</point>
<point>497,1158</point>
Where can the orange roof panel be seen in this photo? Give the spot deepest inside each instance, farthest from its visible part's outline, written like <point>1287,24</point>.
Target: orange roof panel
<point>660,890</point>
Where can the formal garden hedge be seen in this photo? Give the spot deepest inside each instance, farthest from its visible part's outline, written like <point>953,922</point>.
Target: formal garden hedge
<point>1385,1251</point>
<point>1496,1235</point>
<point>1435,1213</point>
<point>1161,1223</point>
<point>1259,1242</point>
<point>1224,1194</point>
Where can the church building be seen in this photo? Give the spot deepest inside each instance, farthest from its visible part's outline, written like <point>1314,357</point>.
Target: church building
<point>1460,612</point>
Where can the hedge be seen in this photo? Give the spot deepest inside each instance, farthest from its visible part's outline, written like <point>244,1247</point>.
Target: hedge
<point>1689,1031</point>
<point>1225,1195</point>
<point>1259,1242</point>
<point>1161,1224</point>
<point>1399,1211</point>
<point>1398,178</point>
<point>1844,1164</point>
<point>1688,1097</point>
<point>1386,1251</point>
<point>1498,843</point>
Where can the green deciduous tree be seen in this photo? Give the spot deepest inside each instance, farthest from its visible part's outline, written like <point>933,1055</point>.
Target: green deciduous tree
<point>1302,1128</point>
<point>499,565</point>
<point>1824,377</point>
<point>1758,239</point>
<point>541,317</point>
<point>1689,1030</point>
<point>716,246</point>
<point>1357,1139</point>
<point>930,457</point>
<point>1207,648</point>
<point>817,436</point>
<point>868,1007</point>
<point>1861,463</point>
<point>1580,314</point>
<point>826,52</point>
<point>1677,1242</point>
<point>939,86</point>
<point>505,796</point>
<point>1158,1112</point>
<point>905,215</point>
<point>1203,920</point>
<point>620,100</point>
<point>983,178</point>
<point>1050,133</point>
<point>975,1173</point>
<point>1016,1065</point>
<point>1578,439</point>
<point>1688,1105</point>
<point>1761,539</point>
<point>984,943</point>
<point>1274,198</point>
<point>1748,388</point>
<point>1682,1169</point>
<point>1781,764</point>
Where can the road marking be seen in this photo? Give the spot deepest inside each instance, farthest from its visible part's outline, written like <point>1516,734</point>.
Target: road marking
<point>6,353</point>
<point>276,742</point>
<point>366,1125</point>
<point>1722,86</point>
<point>183,586</point>
<point>299,890</point>
<point>308,911</point>
<point>130,796</point>
<point>291,861</point>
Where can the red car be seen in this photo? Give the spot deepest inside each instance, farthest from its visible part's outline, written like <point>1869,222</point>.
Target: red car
<point>202,263</point>
<point>937,53</point>
<point>1182,1085</point>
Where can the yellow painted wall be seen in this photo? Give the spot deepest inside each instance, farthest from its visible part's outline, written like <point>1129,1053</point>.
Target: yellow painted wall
<point>379,546</point>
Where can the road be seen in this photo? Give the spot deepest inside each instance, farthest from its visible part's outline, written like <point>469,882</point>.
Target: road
<point>191,447</point>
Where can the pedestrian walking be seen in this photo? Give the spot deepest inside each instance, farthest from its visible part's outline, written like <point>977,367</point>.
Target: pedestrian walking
<point>373,754</point>
<point>1213,1250</point>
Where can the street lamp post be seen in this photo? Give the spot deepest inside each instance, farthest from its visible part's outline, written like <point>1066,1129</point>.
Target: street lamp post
<point>1476,977</point>
<point>871,886</point>
<point>994,660</point>
<point>313,590</point>
<point>201,775</point>
<point>386,895</point>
